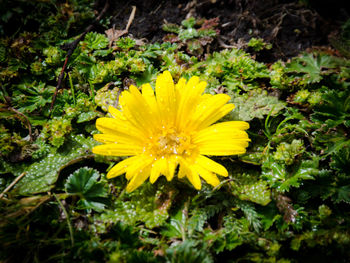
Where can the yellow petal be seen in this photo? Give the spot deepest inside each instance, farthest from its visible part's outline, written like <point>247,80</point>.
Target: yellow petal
<point>224,131</point>
<point>120,167</point>
<point>222,148</point>
<point>212,166</point>
<point>113,149</point>
<point>112,126</point>
<point>215,116</point>
<point>172,163</point>
<point>192,82</point>
<point>182,171</point>
<point>180,85</point>
<point>136,110</point>
<point>166,99</point>
<point>138,166</point>
<point>116,113</point>
<point>116,138</point>
<point>148,95</point>
<point>193,177</point>
<point>210,110</point>
<point>156,170</point>
<point>138,179</point>
<point>208,176</point>
<point>189,97</point>
<point>186,169</point>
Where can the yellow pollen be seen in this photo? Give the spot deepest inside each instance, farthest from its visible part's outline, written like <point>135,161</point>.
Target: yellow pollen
<point>169,142</point>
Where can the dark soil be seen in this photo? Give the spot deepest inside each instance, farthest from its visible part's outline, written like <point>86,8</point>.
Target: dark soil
<point>290,26</point>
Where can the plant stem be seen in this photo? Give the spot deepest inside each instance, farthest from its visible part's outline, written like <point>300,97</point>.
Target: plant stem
<point>67,217</point>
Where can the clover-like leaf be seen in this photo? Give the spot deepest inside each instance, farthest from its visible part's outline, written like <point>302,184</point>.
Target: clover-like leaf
<point>84,183</point>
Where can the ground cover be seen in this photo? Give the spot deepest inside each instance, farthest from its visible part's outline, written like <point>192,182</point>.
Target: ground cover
<point>285,66</point>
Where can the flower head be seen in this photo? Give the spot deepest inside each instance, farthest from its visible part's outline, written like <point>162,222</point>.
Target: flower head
<point>170,127</point>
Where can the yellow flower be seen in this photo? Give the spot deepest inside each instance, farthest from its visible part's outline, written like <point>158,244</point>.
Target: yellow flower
<point>172,128</point>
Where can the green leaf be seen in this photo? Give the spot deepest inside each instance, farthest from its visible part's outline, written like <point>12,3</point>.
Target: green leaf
<point>287,153</point>
<point>258,44</point>
<point>313,67</point>
<point>96,41</point>
<point>306,171</point>
<point>172,28</point>
<point>188,251</point>
<point>41,176</point>
<point>334,109</point>
<point>87,116</point>
<point>141,205</point>
<point>341,160</point>
<point>30,97</point>
<point>282,179</point>
<point>342,194</point>
<point>255,104</point>
<point>189,22</point>
<point>257,192</point>
<point>125,43</point>
<point>84,183</point>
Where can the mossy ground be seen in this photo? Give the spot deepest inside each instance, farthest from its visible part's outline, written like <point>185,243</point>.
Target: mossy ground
<point>286,200</point>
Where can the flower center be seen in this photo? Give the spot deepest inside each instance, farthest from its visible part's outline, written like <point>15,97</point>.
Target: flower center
<point>170,142</point>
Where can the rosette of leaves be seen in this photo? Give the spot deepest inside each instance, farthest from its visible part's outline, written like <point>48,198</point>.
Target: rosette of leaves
<point>248,187</point>
<point>258,44</point>
<point>106,97</point>
<point>193,34</point>
<point>30,97</point>
<point>304,96</point>
<point>287,152</point>
<point>236,69</point>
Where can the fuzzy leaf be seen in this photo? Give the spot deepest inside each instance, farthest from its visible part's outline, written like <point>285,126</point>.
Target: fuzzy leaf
<point>255,104</point>
<point>41,176</point>
<point>87,116</point>
<point>140,205</point>
<point>256,192</point>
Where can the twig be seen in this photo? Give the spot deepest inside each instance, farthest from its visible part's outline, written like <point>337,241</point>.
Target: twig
<point>71,47</point>
<point>12,184</point>
<point>131,18</point>
<point>114,35</point>
<point>27,121</point>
